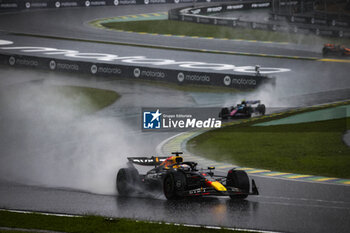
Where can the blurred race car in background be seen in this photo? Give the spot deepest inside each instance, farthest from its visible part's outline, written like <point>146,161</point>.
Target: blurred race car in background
<point>178,179</point>
<point>337,50</point>
<point>244,109</point>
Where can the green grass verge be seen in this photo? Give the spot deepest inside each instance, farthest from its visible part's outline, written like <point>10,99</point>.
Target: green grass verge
<point>80,100</point>
<point>90,224</point>
<point>308,148</point>
<point>203,30</point>
<point>94,99</point>
<point>10,231</point>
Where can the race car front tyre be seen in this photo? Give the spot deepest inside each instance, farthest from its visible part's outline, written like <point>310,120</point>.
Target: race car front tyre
<point>238,179</point>
<point>261,109</point>
<point>224,113</point>
<point>127,181</point>
<point>173,184</point>
<point>169,187</point>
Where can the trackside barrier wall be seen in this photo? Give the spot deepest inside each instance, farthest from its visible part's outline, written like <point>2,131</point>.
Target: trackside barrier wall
<point>297,25</point>
<point>199,14</point>
<point>317,24</point>
<point>181,77</point>
<point>284,10</point>
<point>6,5</point>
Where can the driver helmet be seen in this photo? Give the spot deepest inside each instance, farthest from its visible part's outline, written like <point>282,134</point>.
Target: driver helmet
<point>184,166</point>
<point>171,161</point>
<point>243,101</point>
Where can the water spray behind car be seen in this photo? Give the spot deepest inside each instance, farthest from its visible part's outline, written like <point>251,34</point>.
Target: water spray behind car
<point>44,141</point>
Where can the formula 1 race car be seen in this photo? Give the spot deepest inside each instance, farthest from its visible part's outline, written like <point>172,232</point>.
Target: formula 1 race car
<point>337,50</point>
<point>244,109</point>
<point>178,179</point>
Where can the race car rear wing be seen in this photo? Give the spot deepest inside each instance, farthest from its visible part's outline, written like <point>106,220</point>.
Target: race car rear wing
<point>253,102</point>
<point>147,161</point>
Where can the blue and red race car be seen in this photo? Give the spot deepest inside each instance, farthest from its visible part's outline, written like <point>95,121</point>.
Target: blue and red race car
<point>178,179</point>
<point>243,110</point>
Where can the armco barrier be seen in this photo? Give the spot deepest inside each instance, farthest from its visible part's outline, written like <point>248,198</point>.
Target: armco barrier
<point>319,25</point>
<point>313,19</point>
<point>181,77</point>
<point>6,5</point>
<point>297,24</point>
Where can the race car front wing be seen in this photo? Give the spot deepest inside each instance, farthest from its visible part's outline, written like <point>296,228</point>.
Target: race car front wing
<point>210,191</point>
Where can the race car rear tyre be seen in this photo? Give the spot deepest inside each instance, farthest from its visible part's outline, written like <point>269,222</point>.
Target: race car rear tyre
<point>224,113</point>
<point>169,187</point>
<point>261,109</point>
<point>238,179</point>
<point>324,52</point>
<point>249,111</point>
<point>127,181</point>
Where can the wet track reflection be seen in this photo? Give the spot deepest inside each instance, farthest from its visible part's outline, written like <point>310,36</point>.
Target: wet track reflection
<point>268,213</point>
<point>206,210</point>
<point>264,212</point>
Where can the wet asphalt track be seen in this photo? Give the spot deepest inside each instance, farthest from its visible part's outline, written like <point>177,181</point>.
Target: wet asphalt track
<point>287,206</point>
<point>73,22</point>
